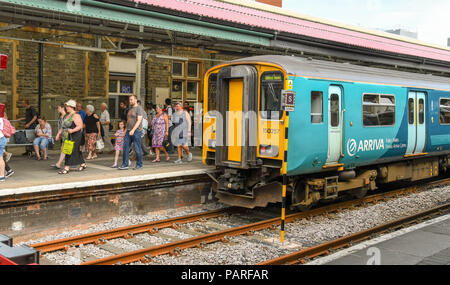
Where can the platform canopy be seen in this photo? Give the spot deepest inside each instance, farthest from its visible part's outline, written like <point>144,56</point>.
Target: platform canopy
<point>231,25</point>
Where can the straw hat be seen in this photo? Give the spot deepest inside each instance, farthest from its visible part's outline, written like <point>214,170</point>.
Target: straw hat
<point>71,103</point>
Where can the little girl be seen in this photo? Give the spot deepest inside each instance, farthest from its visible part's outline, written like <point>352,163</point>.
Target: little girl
<point>120,137</point>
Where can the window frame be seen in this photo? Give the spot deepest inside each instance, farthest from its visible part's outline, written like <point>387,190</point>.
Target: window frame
<point>317,114</point>
<point>263,113</point>
<point>186,79</point>
<point>380,105</point>
<point>440,106</point>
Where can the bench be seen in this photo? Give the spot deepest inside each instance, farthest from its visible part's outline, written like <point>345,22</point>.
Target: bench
<point>29,134</point>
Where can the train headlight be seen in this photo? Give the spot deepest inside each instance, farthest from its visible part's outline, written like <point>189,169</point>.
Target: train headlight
<point>269,150</point>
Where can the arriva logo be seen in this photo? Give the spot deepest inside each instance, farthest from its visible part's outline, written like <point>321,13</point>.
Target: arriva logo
<point>364,145</point>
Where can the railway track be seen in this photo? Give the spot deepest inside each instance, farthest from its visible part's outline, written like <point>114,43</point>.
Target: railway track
<point>200,240</point>
<point>303,256</point>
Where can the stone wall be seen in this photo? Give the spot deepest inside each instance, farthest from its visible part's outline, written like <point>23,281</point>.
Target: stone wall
<point>67,73</point>
<point>79,74</point>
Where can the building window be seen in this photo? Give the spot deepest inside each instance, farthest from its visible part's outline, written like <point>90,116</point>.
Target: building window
<point>379,110</point>
<point>177,90</point>
<point>177,69</point>
<point>193,70</point>
<point>316,107</point>
<point>186,81</point>
<point>119,91</point>
<point>444,117</point>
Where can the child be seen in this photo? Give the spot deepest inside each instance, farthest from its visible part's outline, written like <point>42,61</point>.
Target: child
<point>120,137</point>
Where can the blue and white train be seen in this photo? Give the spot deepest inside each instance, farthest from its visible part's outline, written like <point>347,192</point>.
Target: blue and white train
<point>327,127</point>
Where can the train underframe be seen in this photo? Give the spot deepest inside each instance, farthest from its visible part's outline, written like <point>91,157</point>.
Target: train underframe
<point>261,186</point>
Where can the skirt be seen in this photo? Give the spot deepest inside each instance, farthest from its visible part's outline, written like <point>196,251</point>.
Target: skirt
<point>76,158</point>
<point>91,141</point>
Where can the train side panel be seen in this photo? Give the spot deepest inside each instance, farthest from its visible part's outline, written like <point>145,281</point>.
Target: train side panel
<point>362,145</point>
<point>438,138</point>
<point>307,142</point>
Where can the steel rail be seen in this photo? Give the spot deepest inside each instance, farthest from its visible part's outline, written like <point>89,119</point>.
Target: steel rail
<point>174,248</point>
<point>301,257</point>
<point>127,232</point>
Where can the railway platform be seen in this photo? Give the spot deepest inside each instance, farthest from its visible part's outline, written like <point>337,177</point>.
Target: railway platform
<point>37,198</point>
<point>427,243</point>
<point>37,176</point>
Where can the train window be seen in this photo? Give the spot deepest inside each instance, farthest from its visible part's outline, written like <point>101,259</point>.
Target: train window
<point>411,111</point>
<point>444,117</point>
<point>271,87</point>
<point>316,107</point>
<point>378,110</point>
<point>421,111</point>
<point>334,110</point>
<point>212,92</point>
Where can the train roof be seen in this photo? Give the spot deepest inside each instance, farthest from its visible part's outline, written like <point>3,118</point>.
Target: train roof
<point>312,68</point>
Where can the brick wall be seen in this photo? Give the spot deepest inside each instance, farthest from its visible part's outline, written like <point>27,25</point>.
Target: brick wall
<point>67,72</point>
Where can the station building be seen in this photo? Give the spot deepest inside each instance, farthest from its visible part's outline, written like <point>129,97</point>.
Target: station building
<point>104,51</point>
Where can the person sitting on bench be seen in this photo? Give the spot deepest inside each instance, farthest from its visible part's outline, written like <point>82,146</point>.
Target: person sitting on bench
<point>43,138</point>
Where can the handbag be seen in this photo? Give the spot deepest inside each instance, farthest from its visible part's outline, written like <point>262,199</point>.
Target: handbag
<point>68,146</point>
<point>100,145</point>
<point>166,143</point>
<point>20,137</point>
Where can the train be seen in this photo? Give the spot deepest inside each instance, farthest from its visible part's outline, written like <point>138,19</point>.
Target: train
<point>322,129</point>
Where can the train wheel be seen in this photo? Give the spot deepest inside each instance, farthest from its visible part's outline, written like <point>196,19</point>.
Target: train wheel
<point>359,193</point>
<point>299,196</point>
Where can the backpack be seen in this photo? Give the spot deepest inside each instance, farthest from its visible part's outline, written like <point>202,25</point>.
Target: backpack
<point>8,130</point>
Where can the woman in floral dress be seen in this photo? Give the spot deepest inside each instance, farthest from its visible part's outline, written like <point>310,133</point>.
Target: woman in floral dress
<point>160,126</point>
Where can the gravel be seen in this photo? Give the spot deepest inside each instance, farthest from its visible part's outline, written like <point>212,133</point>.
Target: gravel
<point>125,221</point>
<point>265,244</point>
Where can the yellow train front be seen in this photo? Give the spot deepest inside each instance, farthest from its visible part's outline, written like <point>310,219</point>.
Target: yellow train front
<point>244,132</point>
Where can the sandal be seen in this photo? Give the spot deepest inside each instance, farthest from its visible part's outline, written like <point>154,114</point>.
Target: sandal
<point>82,168</point>
<point>55,167</point>
<point>168,158</point>
<point>38,158</point>
<point>64,171</point>
<point>156,160</point>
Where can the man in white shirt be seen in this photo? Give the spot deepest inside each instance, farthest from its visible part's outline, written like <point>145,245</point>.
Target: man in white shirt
<point>105,120</point>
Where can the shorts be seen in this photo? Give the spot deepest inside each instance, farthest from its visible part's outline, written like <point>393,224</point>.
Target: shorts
<point>2,146</point>
<point>41,142</point>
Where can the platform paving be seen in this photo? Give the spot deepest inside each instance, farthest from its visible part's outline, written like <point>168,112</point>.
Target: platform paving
<point>37,176</point>
<point>424,244</point>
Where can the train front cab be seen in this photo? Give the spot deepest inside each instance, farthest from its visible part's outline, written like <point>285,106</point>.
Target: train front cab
<point>244,132</point>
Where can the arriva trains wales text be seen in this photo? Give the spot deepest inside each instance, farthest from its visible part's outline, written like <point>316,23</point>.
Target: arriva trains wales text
<point>364,145</point>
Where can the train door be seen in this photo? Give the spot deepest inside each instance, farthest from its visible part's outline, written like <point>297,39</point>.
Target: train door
<point>236,98</point>
<point>334,125</point>
<point>416,122</point>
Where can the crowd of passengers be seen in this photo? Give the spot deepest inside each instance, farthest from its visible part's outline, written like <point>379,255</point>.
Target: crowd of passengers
<point>84,135</point>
